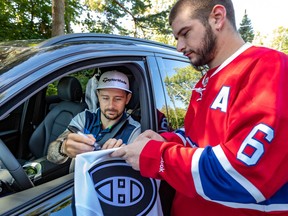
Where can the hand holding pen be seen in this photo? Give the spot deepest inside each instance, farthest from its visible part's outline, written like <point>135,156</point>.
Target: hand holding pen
<point>77,144</point>
<point>74,129</point>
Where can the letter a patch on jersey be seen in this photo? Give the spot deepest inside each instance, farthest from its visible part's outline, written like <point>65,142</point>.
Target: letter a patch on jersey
<point>221,101</point>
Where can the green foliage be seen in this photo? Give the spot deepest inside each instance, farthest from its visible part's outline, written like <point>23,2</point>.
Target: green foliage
<point>246,29</point>
<point>83,77</point>
<point>73,10</point>
<point>180,85</point>
<point>24,19</point>
<point>179,88</point>
<point>52,89</point>
<point>176,117</point>
<point>32,19</point>
<point>280,41</point>
<point>136,18</point>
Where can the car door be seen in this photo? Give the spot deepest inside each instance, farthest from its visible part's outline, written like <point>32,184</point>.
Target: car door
<point>54,196</point>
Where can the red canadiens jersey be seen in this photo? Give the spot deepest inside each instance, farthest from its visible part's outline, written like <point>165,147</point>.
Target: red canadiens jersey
<point>234,158</point>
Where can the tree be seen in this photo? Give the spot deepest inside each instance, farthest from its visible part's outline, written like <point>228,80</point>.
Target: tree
<point>180,85</point>
<point>179,88</point>
<point>32,19</point>
<point>136,18</point>
<point>176,116</point>
<point>280,40</point>
<point>58,21</point>
<point>23,19</point>
<point>260,39</point>
<point>73,11</point>
<point>246,29</point>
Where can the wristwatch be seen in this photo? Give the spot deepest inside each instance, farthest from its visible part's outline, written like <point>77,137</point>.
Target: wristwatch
<point>60,148</point>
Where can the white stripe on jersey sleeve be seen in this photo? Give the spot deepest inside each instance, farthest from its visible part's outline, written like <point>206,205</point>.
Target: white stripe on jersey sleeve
<point>195,173</point>
<point>240,179</point>
<point>258,196</point>
<point>181,135</point>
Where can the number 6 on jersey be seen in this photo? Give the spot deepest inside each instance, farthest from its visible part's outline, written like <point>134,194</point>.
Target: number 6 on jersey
<point>257,145</point>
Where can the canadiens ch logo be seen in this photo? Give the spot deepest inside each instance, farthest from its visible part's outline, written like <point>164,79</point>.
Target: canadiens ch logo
<point>122,190</point>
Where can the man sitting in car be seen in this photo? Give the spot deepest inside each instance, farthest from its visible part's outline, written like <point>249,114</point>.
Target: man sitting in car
<point>113,94</point>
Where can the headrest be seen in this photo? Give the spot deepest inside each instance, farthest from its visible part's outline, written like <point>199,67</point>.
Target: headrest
<point>69,89</point>
<point>90,93</point>
<point>134,101</point>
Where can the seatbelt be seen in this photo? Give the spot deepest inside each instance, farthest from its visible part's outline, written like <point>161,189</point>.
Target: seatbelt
<point>115,129</point>
<point>113,132</point>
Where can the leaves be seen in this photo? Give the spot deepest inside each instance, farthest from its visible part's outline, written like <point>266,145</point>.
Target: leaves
<point>32,19</point>
<point>148,19</point>
<point>136,18</point>
<point>280,41</point>
<point>25,19</point>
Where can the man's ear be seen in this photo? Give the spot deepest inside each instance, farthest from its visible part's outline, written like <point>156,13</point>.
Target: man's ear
<point>218,16</point>
<point>129,95</point>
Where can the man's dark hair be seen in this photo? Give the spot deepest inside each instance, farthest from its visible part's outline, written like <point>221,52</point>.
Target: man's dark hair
<point>202,8</point>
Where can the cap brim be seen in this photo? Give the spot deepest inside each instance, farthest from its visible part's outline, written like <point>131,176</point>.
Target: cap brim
<point>113,87</point>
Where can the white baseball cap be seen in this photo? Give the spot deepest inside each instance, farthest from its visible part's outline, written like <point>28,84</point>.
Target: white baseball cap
<point>114,79</point>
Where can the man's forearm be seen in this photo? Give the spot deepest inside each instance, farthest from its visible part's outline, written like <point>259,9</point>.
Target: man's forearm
<point>53,154</point>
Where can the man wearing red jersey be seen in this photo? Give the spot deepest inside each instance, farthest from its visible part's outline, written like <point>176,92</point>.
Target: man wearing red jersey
<point>231,159</point>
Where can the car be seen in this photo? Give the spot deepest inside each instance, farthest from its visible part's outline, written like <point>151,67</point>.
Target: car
<point>161,79</point>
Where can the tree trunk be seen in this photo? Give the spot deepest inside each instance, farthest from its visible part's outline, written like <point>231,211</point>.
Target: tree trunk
<point>58,22</point>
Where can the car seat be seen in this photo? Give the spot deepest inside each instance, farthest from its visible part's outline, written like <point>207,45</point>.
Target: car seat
<point>70,92</point>
<point>133,107</point>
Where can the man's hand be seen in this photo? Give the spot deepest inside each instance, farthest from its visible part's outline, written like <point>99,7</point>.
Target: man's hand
<point>112,143</point>
<point>152,135</point>
<point>77,144</point>
<point>131,153</point>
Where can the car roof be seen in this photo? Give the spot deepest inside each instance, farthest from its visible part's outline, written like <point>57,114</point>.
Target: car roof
<point>101,38</point>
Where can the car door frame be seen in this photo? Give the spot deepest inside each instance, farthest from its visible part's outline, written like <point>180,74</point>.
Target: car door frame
<point>51,196</point>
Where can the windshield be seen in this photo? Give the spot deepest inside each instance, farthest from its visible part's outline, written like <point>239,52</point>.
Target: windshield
<point>11,55</point>
<point>10,51</point>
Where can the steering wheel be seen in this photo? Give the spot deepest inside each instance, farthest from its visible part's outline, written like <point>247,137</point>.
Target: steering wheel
<point>14,168</point>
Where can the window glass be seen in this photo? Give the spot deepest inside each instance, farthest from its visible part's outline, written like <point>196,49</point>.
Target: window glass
<point>83,76</point>
<point>179,78</point>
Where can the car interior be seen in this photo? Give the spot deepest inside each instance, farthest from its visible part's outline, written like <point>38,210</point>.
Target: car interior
<point>41,119</point>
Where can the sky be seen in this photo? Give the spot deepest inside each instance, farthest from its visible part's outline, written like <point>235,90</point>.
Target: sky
<point>265,15</point>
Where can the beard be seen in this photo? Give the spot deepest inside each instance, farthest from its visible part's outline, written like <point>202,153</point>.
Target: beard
<point>206,53</point>
<point>111,117</point>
